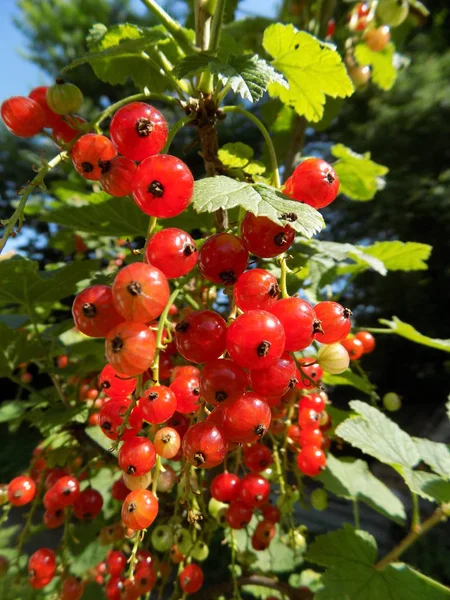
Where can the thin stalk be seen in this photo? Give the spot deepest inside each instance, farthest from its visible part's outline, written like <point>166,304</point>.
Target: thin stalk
<point>374,330</point>
<point>135,98</point>
<point>219,96</point>
<point>18,214</point>
<point>137,394</point>
<point>174,130</point>
<point>26,529</point>
<point>356,513</point>
<point>266,136</point>
<point>278,469</point>
<point>415,520</point>
<point>150,230</point>
<point>174,28</point>
<point>216,26</point>
<point>283,285</point>
<point>156,475</point>
<point>440,514</point>
<point>159,334</point>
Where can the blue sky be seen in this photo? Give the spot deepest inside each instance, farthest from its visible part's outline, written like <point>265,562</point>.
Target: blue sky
<point>19,76</point>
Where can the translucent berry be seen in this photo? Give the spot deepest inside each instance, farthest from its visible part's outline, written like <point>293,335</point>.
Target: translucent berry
<point>222,258</point>
<point>94,312</point>
<point>201,336</point>
<point>335,322</point>
<point>246,419</point>
<point>315,182</point>
<point>91,155</point>
<point>311,461</point>
<point>22,116</point>
<point>264,238</point>
<point>256,289</point>
<point>158,403</point>
<point>139,509</point>
<point>172,251</point>
<point>137,456</point>
<point>138,130</point>
<point>222,380</point>
<point>298,320</point>
<point>205,445</point>
<point>130,348</point>
<point>225,487</point>
<point>117,176</point>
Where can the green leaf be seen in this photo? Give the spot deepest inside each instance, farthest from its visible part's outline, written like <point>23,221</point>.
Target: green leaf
<point>384,73</point>
<point>13,409</point>
<point>247,74</point>
<point>393,255</point>
<point>307,578</point>
<point>407,331</point>
<point>350,556</point>
<point>122,52</point>
<point>313,70</point>
<point>435,455</point>
<point>350,378</point>
<point>427,485</point>
<point>373,433</point>
<point>23,284</point>
<point>360,177</point>
<point>351,479</point>
<point>341,252</point>
<point>111,217</point>
<point>15,348</point>
<point>262,200</point>
<point>235,155</point>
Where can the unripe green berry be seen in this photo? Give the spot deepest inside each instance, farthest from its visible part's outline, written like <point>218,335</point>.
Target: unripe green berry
<point>64,98</point>
<point>183,540</point>
<point>392,402</point>
<point>392,12</point>
<point>200,551</point>
<point>162,538</point>
<point>333,359</point>
<point>319,499</point>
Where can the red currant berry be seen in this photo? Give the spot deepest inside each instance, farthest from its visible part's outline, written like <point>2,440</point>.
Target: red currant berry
<point>201,336</point>
<point>264,532</point>
<point>22,116</point>
<point>308,418</point>
<point>191,579</point>
<point>187,393</point>
<point>256,340</point>
<point>116,563</point>
<point>315,182</point>
<point>309,370</point>
<point>144,579</point>
<point>139,509</point>
<point>185,372</point>
<point>225,487</point>
<point>311,461</point>
<point>38,583</point>
<point>91,155</point>
<point>39,95</point>
<point>222,258</point>
<point>72,588</point>
<point>53,518</point>
<point>42,563</point>
<point>334,320</point>
<point>314,401</point>
<point>354,347</point>
<point>94,313</point>
<point>179,422</point>
<point>205,445</point>
<point>293,433</point>
<point>111,417</point>
<point>222,380</point>
<point>21,490</point>
<point>256,289</point>
<point>140,292</point>
<point>298,320</point>
<point>173,251</point>
<point>257,457</point>
<point>130,348</point>
<point>138,130</point>
<point>158,404</point>
<point>264,238</point>
<point>115,385</point>
<point>137,456</point>
<point>377,39</point>
<point>114,588</point>
<point>367,340</point>
<point>254,491</point>
<point>117,176</point>
<point>167,442</point>
<point>119,490</point>
<point>238,515</point>
<point>88,504</point>
<point>311,437</point>
<point>271,513</point>
<point>66,490</point>
<point>275,380</point>
<point>246,419</point>
<point>163,186</point>
<point>65,130</point>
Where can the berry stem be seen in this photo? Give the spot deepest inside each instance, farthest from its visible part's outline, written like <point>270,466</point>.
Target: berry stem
<point>283,278</point>
<point>135,397</point>
<point>266,136</point>
<point>150,230</point>
<point>158,465</point>
<point>174,130</point>
<point>37,182</point>
<point>24,533</point>
<point>159,334</point>
<point>440,514</point>
<point>278,469</point>
<point>138,537</point>
<point>176,31</point>
<point>236,592</point>
<point>415,520</point>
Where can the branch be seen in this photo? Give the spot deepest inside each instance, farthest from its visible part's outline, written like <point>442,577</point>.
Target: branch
<point>440,514</point>
<point>267,582</point>
<point>176,31</point>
